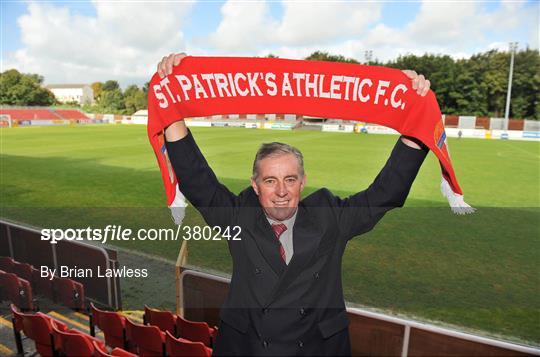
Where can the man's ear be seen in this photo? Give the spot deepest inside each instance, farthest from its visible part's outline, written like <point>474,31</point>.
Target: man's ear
<point>303,182</point>
<point>254,185</point>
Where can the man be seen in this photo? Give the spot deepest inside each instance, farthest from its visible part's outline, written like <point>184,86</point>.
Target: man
<point>285,296</point>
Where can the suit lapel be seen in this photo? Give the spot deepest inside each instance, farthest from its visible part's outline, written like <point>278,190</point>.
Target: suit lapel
<point>262,234</point>
<point>306,238</point>
<point>269,244</point>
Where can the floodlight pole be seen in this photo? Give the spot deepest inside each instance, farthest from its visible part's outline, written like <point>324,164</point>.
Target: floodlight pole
<point>513,47</point>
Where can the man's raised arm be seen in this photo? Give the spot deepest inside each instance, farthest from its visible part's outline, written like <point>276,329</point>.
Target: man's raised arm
<point>196,180</point>
<point>360,212</point>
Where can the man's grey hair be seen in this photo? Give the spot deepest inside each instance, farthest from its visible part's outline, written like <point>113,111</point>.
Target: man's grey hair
<point>276,149</point>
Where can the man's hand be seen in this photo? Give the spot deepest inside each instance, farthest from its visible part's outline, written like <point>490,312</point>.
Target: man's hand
<point>176,130</point>
<point>419,82</point>
<point>421,85</point>
<point>165,67</point>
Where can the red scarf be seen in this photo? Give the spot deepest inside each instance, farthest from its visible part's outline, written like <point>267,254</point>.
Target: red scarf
<point>205,86</point>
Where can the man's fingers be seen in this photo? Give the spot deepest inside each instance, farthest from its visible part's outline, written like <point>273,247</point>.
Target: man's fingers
<point>426,88</point>
<point>169,63</point>
<point>161,67</point>
<point>410,73</point>
<point>178,58</point>
<point>420,83</point>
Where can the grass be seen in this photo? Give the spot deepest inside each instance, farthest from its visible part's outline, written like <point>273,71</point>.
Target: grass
<point>480,272</point>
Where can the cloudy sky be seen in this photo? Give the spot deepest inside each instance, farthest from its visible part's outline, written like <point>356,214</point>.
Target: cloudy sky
<point>88,41</point>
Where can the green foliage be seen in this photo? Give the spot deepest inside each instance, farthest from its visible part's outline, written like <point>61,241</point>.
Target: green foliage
<point>134,99</point>
<point>325,56</point>
<point>110,85</point>
<point>478,85</point>
<point>23,89</point>
<point>112,101</point>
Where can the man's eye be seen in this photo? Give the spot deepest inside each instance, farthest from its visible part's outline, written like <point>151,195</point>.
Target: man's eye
<point>291,180</point>
<point>269,182</point>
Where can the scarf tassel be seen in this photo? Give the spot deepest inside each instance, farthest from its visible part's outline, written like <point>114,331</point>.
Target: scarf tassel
<point>456,201</point>
<point>178,207</point>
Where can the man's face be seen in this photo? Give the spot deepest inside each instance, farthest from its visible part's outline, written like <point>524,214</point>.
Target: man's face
<point>279,185</point>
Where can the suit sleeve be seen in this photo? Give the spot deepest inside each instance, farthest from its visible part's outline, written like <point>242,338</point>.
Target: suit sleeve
<point>199,184</point>
<point>360,212</point>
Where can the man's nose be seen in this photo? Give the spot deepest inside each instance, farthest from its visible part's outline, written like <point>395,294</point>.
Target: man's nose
<point>281,189</point>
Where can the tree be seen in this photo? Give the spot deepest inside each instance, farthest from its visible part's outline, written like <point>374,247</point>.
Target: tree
<point>134,99</point>
<point>112,101</point>
<point>110,85</point>
<point>97,88</point>
<point>325,56</point>
<point>23,89</point>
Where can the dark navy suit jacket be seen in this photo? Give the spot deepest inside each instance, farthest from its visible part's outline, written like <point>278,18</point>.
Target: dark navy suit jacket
<point>296,309</point>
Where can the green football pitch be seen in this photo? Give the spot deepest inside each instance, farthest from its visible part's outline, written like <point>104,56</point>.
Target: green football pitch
<point>480,272</point>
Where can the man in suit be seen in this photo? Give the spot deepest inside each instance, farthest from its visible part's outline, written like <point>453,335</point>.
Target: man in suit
<point>286,296</point>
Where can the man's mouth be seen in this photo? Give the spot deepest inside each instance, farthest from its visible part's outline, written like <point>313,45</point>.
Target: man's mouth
<point>282,203</point>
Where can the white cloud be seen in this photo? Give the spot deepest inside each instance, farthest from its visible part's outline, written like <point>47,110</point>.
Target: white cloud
<point>124,41</point>
<point>459,29</point>
<point>323,22</point>
<point>246,27</point>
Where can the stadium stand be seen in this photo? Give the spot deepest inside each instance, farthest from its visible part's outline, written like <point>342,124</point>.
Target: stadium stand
<point>71,114</point>
<point>43,114</point>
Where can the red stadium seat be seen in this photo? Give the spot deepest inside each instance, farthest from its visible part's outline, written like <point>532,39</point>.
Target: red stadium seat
<point>42,285</point>
<point>95,316</point>
<point>31,328</point>
<point>17,323</point>
<point>6,264</point>
<point>17,290</point>
<point>113,326</point>
<point>195,331</point>
<point>70,293</point>
<point>147,340</point>
<point>165,320</point>
<point>74,343</point>
<point>183,347</point>
<point>38,328</point>
<point>22,270</point>
<point>100,351</point>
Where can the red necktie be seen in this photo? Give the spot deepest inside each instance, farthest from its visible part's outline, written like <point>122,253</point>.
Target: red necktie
<point>279,228</point>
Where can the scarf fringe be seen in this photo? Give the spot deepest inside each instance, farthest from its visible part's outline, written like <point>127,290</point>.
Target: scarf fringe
<point>178,207</point>
<point>456,201</point>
